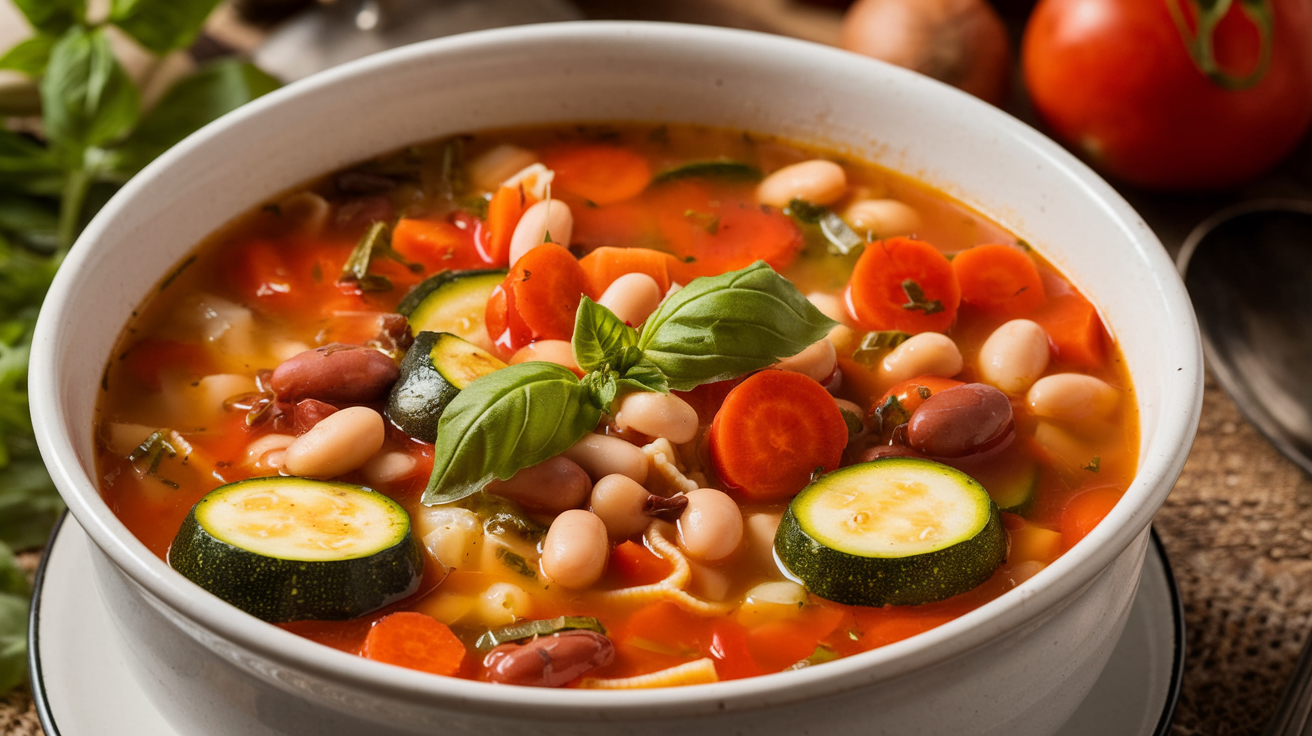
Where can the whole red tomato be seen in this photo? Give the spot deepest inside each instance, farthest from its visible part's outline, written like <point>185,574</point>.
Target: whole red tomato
<point>1123,83</point>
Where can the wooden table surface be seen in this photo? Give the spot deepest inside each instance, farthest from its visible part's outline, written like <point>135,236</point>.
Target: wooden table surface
<point>1237,527</point>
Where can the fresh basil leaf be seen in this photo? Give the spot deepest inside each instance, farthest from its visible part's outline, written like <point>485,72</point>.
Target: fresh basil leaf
<point>506,421</point>
<point>600,338</point>
<point>27,167</point>
<point>214,90</point>
<point>601,388</point>
<point>86,97</point>
<point>161,25</point>
<point>13,640</point>
<point>52,16</point>
<point>722,327</point>
<point>644,376</point>
<point>30,56</point>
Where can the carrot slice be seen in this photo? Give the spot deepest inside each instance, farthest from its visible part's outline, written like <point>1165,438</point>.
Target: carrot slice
<point>1075,331</point>
<point>912,393</point>
<point>604,265</point>
<point>537,300</point>
<point>999,280</point>
<point>773,431</point>
<point>503,213</point>
<point>903,284</point>
<point>637,565</point>
<point>616,226</point>
<point>435,245</point>
<point>600,173</point>
<point>413,640</point>
<point>712,231</point>
<point>1084,511</point>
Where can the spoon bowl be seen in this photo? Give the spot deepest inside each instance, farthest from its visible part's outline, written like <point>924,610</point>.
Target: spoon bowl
<point>1248,270</point>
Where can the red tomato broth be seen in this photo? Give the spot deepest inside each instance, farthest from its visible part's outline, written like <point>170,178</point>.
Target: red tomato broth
<point>160,356</point>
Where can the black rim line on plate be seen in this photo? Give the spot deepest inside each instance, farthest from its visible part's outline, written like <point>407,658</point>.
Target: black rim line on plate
<point>1177,658</point>
<point>47,718</point>
<point>43,713</point>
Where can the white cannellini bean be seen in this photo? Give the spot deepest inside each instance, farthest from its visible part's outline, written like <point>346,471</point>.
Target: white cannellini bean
<point>829,305</point>
<point>575,550</point>
<point>341,442</point>
<point>632,297</point>
<point>389,467</point>
<point>601,455</point>
<point>503,604</point>
<point>618,501</point>
<point>559,352</point>
<point>535,178</point>
<point>657,415</point>
<point>817,361</point>
<point>885,218</point>
<point>257,450</point>
<point>815,181</point>
<point>711,527</point>
<point>926,354</point>
<point>1072,397</point>
<point>550,217</point>
<point>708,583</point>
<point>1014,356</point>
<point>498,164</point>
<point>758,536</point>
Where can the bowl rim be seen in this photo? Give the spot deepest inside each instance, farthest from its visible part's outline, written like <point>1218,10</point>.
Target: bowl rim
<point>1180,408</point>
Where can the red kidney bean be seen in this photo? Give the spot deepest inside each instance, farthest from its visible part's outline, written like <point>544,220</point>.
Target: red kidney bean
<point>309,412</point>
<point>882,451</point>
<point>551,486</point>
<point>549,661</point>
<point>962,420</point>
<point>336,374</point>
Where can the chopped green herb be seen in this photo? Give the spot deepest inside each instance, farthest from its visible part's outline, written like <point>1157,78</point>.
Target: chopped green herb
<point>916,299</point>
<point>709,170</point>
<point>843,240</point>
<point>532,629</point>
<point>890,414</point>
<point>805,211</point>
<point>875,345</point>
<point>517,563</point>
<point>821,655</point>
<point>1094,465</point>
<point>854,424</point>
<point>706,221</point>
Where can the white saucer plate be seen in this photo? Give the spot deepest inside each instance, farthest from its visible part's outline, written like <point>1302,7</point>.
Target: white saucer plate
<point>82,686</point>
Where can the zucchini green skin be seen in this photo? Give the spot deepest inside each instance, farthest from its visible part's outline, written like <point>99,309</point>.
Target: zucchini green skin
<point>913,580</point>
<point>426,385</point>
<point>452,301</point>
<point>282,590</point>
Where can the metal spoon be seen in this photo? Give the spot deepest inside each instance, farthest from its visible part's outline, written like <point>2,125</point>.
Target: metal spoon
<point>1249,273</point>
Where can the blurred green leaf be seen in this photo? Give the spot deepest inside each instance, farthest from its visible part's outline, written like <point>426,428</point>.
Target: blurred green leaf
<point>162,25</point>
<point>30,56</point>
<point>12,579</point>
<point>86,97</point>
<point>52,16</point>
<point>31,221</point>
<point>13,640</point>
<point>214,90</point>
<point>27,167</point>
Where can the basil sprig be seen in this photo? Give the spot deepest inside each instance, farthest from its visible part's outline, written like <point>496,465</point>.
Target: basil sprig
<point>714,329</point>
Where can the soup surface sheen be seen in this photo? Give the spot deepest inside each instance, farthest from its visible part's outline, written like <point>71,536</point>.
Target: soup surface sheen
<point>965,421</point>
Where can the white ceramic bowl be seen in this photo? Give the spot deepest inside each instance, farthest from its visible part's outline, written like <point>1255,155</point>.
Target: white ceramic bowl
<point>1017,666</point>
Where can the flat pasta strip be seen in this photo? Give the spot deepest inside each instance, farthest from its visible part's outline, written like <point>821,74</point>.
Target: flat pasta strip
<point>671,588</point>
<point>697,672</point>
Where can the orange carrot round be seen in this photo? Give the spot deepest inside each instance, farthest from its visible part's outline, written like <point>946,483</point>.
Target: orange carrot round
<point>414,640</point>
<point>602,174</point>
<point>999,280</point>
<point>714,231</point>
<point>604,265</point>
<point>435,245</point>
<point>913,392</point>
<point>1084,511</point>
<point>903,284</point>
<point>773,431</point>
<point>1075,331</point>
<point>503,213</point>
<point>537,300</point>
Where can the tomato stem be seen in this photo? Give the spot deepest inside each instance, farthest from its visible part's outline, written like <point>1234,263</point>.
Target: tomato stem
<point>1200,46</point>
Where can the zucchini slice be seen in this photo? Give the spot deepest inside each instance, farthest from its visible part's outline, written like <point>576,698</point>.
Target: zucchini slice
<point>1012,485</point>
<point>453,301</point>
<point>896,531</point>
<point>434,370</point>
<point>290,549</point>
